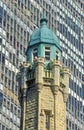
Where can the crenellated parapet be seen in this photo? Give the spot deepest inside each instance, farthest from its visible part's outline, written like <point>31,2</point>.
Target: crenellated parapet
<point>44,86</point>
<point>35,74</point>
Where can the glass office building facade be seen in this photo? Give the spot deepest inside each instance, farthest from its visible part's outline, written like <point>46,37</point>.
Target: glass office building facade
<point>18,19</point>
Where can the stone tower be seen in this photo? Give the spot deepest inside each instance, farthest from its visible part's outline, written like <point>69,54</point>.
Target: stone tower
<point>43,83</point>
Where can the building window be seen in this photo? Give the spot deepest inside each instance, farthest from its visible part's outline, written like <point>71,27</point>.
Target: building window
<point>47,53</point>
<point>8,104</point>
<point>1,11</point>
<point>4,102</point>
<point>47,120</point>
<point>0,40</point>
<point>11,107</point>
<point>57,55</point>
<point>19,113</point>
<point>35,53</point>
<point>3,59</point>
<point>3,127</point>
<point>0,20</point>
<point>15,110</point>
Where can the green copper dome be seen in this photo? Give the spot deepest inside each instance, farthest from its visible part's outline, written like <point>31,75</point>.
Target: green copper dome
<point>43,35</point>
<point>43,43</point>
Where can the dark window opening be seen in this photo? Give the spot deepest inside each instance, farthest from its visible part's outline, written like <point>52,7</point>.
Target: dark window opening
<point>0,40</point>
<point>57,55</point>
<point>1,11</point>
<point>0,20</point>
<point>47,120</point>
<point>35,53</point>
<point>47,53</point>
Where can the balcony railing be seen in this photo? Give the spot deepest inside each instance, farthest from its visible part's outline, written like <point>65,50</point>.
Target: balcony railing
<point>48,74</point>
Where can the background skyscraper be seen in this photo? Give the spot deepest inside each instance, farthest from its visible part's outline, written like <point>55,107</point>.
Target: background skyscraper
<point>18,18</point>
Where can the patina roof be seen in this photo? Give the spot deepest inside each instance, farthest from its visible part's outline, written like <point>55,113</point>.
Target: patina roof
<point>43,35</point>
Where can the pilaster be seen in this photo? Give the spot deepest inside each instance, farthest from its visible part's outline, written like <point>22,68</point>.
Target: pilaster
<point>39,73</point>
<point>65,82</point>
<point>56,65</point>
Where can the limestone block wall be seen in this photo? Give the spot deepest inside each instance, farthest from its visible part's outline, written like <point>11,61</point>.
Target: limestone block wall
<point>31,110</point>
<point>45,98</point>
<point>47,105</point>
<point>60,112</point>
<point>56,106</point>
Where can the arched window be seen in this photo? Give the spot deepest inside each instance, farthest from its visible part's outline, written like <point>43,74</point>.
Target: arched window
<point>35,53</point>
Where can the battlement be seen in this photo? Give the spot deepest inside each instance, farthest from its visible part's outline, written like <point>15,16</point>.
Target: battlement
<point>44,86</point>
<point>37,73</point>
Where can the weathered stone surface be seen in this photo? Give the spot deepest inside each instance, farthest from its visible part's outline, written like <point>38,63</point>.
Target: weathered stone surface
<point>31,110</point>
<point>47,97</point>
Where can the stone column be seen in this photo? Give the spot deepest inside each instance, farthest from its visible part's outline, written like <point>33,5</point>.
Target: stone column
<point>55,111</point>
<point>24,108</point>
<point>66,83</point>
<point>39,73</point>
<point>39,70</point>
<point>56,65</point>
<point>23,88</point>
